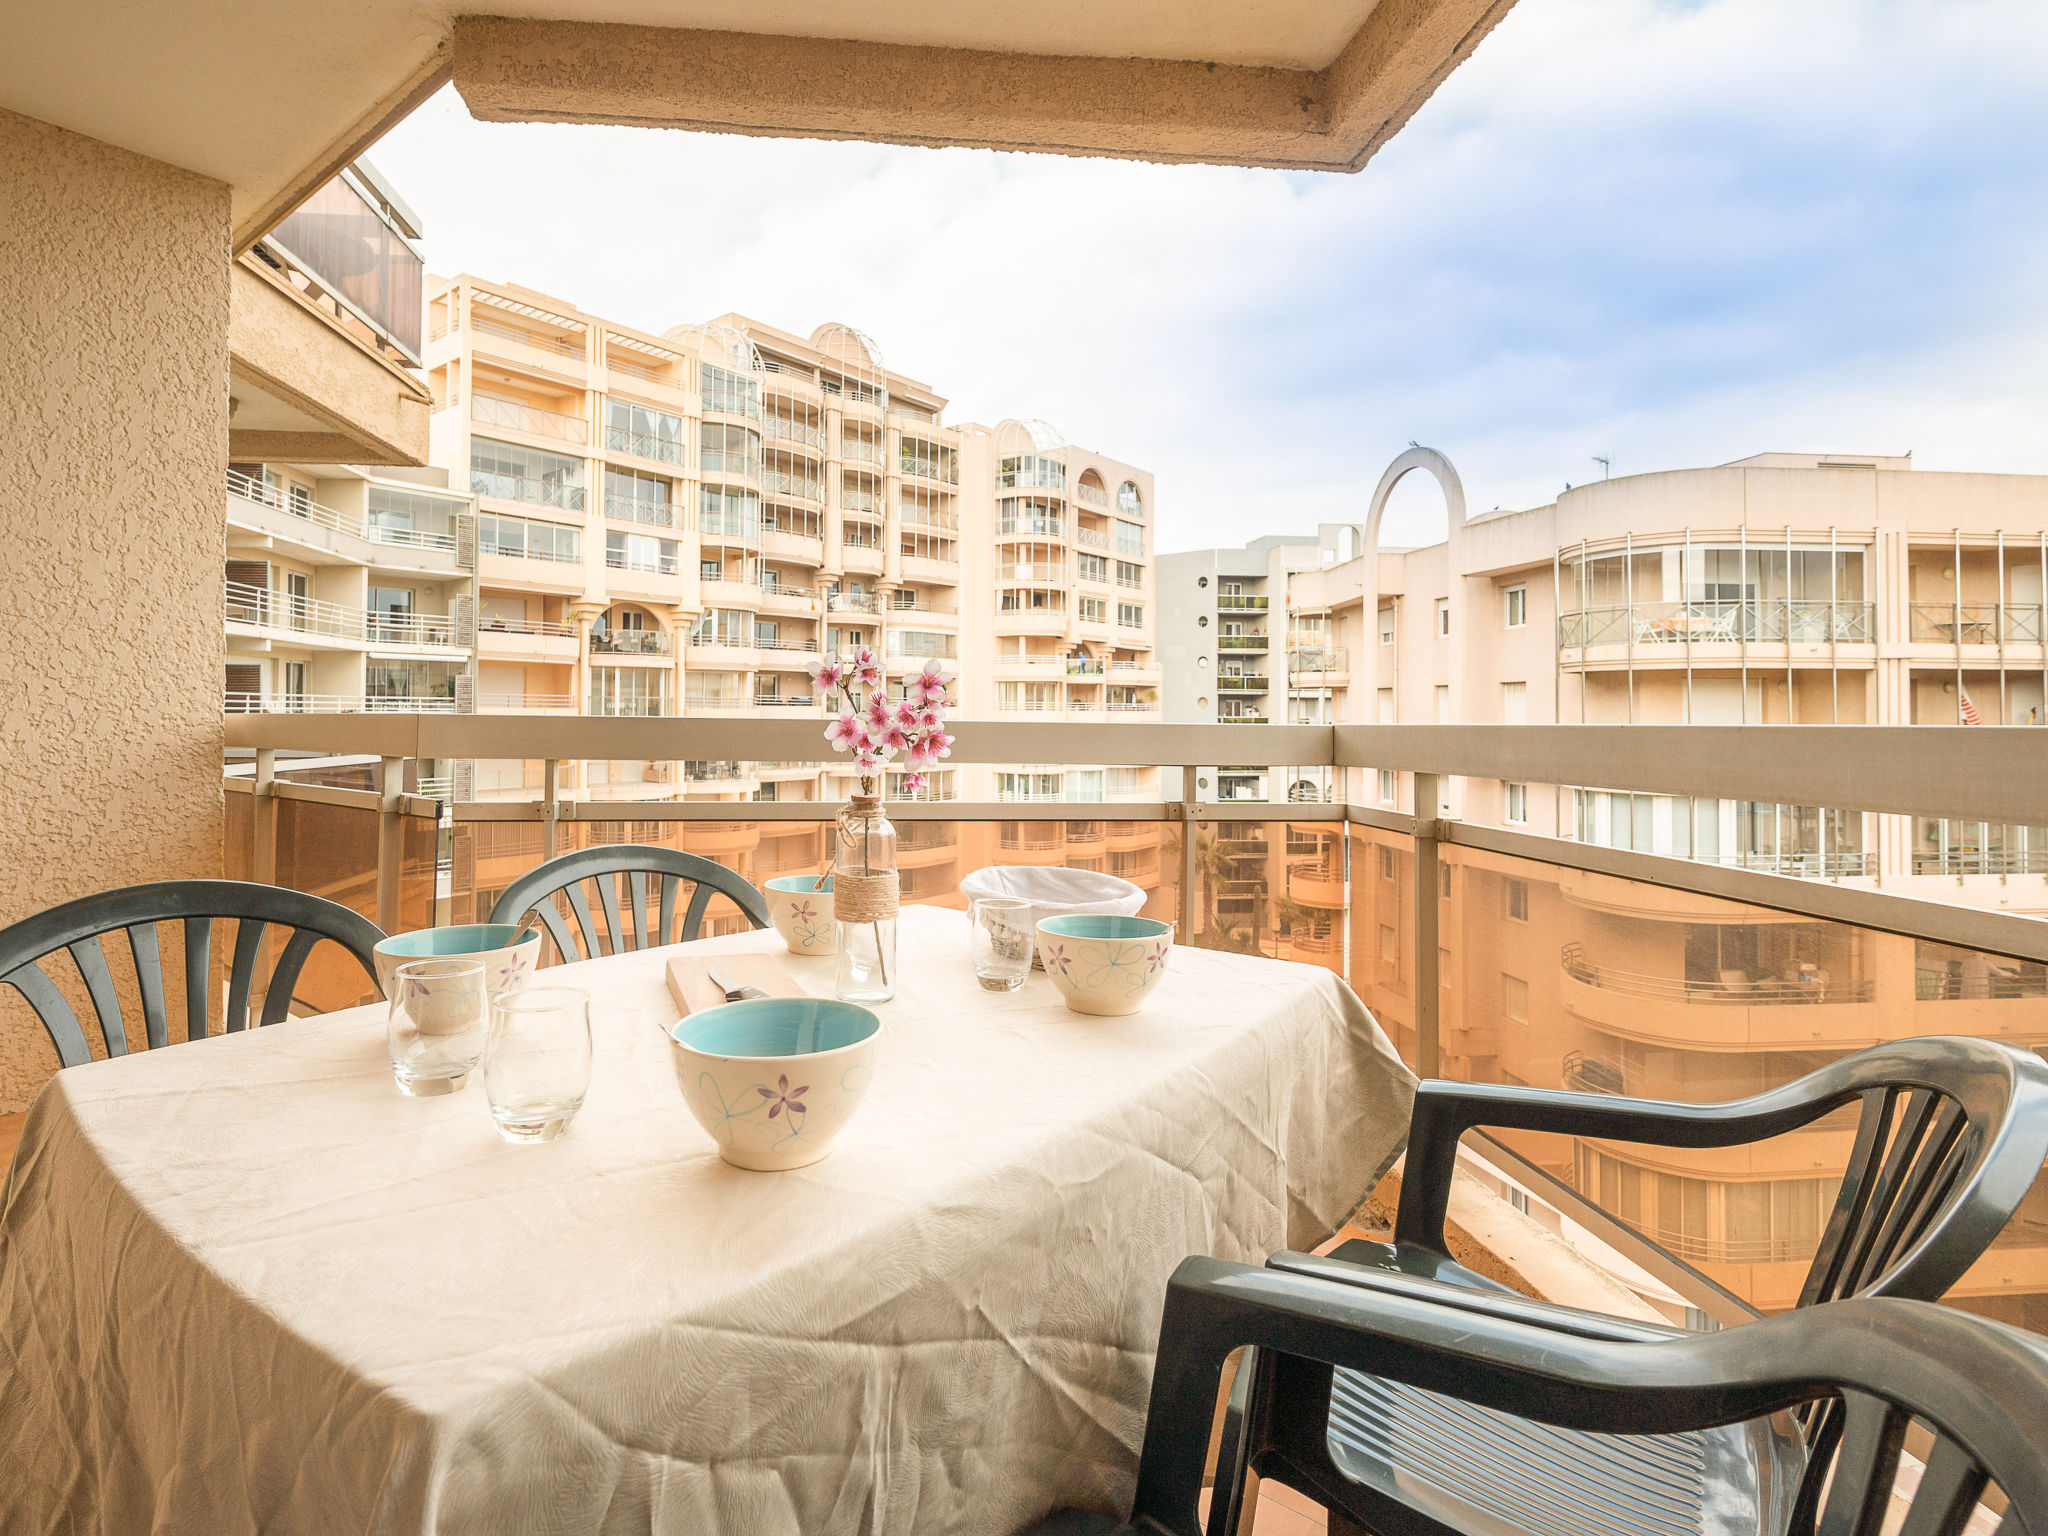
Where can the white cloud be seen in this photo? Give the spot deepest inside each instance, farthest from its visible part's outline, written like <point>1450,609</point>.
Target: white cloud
<point>1677,234</point>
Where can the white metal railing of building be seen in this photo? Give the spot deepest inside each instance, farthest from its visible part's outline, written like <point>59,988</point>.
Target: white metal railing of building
<point>280,499</point>
<point>1725,623</point>
<point>269,608</point>
<point>496,411</point>
<point>636,509</point>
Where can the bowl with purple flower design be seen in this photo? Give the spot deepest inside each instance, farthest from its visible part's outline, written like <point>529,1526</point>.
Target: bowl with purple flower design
<point>1102,964</point>
<point>800,907</point>
<point>509,953</point>
<point>773,1080</point>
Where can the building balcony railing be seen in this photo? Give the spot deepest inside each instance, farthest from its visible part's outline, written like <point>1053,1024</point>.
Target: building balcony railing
<point>559,345</point>
<point>782,429</point>
<point>1976,623</point>
<point>1718,623</point>
<point>850,602</point>
<point>1034,571</point>
<point>728,525</point>
<point>524,488</point>
<point>268,608</point>
<point>550,703</point>
<point>1091,538</point>
<point>1241,682</point>
<point>862,453</point>
<point>945,471</point>
<point>784,701</point>
<point>490,625</point>
<point>534,420</point>
<point>860,501</point>
<point>236,703</point>
<point>631,642</point>
<point>1094,495</point>
<point>1032,527</point>
<point>634,509</point>
<point>659,565</point>
<point>1762,991</point>
<point>376,531</point>
<point>1243,643</point>
<point>1240,601</point>
<point>1981,861</point>
<point>779,482</point>
<point>1242,717</point>
<point>630,708</point>
<point>644,445</point>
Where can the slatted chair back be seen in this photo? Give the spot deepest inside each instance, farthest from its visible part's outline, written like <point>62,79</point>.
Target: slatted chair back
<point>652,880</point>
<point>29,950</point>
<point>1978,1391</point>
<point>1951,1135</point>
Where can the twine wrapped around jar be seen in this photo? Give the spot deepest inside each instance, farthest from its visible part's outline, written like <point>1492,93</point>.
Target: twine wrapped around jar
<point>864,898</point>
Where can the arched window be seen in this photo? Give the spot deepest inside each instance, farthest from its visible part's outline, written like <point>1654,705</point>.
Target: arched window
<point>1128,499</point>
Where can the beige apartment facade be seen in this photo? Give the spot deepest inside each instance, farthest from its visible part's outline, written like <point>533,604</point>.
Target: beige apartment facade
<point>1784,588</point>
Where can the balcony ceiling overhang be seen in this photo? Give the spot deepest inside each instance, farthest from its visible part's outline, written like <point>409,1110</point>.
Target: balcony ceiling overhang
<point>273,99</point>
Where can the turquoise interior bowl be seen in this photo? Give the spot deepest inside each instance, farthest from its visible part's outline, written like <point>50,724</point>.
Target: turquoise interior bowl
<point>463,939</point>
<point>1104,926</point>
<point>760,1027</point>
<point>798,885</point>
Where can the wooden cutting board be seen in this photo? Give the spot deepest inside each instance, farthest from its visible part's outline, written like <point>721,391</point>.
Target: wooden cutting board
<point>689,979</point>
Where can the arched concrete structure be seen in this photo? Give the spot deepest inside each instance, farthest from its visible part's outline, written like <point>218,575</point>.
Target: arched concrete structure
<point>1438,467</point>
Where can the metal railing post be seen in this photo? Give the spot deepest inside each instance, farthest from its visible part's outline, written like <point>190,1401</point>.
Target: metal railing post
<point>263,860</point>
<point>550,808</point>
<point>1189,810</point>
<point>1428,906</point>
<point>390,840</point>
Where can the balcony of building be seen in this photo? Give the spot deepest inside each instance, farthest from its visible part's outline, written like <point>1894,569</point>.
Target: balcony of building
<point>500,638</point>
<point>426,536</point>
<point>268,613</point>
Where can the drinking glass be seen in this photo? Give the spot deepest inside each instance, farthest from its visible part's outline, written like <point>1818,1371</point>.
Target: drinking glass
<point>435,1030</point>
<point>537,1061</point>
<point>999,942</point>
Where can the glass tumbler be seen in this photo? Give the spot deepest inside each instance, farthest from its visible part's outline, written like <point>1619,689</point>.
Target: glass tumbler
<point>435,1030</point>
<point>999,942</point>
<point>537,1061</point>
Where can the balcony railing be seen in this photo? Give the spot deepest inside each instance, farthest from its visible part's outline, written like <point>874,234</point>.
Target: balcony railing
<point>524,488</point>
<point>945,470</point>
<point>1090,538</point>
<point>1977,623</point>
<point>560,346</point>
<point>785,430</point>
<point>777,482</point>
<point>1244,682</point>
<point>644,445</point>
<point>850,602</point>
<point>337,704</point>
<point>1243,643</point>
<point>552,703</point>
<point>1718,623</point>
<point>1237,601</point>
<point>631,642</point>
<point>860,501</point>
<point>489,625</point>
<point>277,498</point>
<point>496,411</point>
<point>634,509</point>
<point>659,565</point>
<point>1093,494</point>
<point>1033,571</point>
<point>1762,991</point>
<point>268,608</point>
<point>1032,527</point>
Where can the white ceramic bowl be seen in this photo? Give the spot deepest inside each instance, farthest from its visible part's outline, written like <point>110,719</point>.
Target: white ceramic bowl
<point>1054,891</point>
<point>1105,965</point>
<point>508,951</point>
<point>802,913</point>
<point>775,1079</point>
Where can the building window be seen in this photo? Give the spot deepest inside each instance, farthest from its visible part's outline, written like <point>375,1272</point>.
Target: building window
<point>1387,863</point>
<point>1514,703</point>
<point>733,393</point>
<point>1514,998</point>
<point>1514,900</point>
<point>1094,610</point>
<point>643,431</point>
<point>517,537</point>
<point>1443,703</point>
<point>1443,617</point>
<point>1129,575</point>
<point>1091,568</point>
<point>1128,500</point>
<point>1130,539</point>
<point>638,552</point>
<point>1517,599</point>
<point>1386,786</point>
<point>1131,615</point>
<point>710,570</point>
<point>1386,626</point>
<point>1518,804</point>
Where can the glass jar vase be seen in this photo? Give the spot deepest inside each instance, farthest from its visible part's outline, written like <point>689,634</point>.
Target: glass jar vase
<point>864,897</point>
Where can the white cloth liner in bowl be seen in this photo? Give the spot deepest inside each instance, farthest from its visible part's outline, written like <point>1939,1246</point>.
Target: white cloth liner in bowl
<point>1056,892</point>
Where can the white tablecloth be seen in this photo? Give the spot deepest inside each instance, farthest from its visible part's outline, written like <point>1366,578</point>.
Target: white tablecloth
<point>247,1286</point>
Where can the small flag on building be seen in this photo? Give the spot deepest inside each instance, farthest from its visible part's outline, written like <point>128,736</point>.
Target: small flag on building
<point>1970,715</point>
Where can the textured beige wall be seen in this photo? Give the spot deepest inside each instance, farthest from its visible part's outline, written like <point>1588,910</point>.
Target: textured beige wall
<point>113,413</point>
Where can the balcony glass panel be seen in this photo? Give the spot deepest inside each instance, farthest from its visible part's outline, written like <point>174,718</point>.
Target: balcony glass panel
<point>347,244</point>
<point>531,475</point>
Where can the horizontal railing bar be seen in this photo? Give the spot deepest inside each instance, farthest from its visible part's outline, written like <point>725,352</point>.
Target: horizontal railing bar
<point>1964,772</point>
<point>356,799</point>
<point>1913,917</point>
<point>818,811</point>
<point>1977,773</point>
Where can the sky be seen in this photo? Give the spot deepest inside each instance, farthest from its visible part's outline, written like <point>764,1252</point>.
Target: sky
<point>1668,232</point>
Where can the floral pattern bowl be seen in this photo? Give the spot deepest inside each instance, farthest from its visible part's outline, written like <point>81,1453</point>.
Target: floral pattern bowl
<point>775,1079</point>
<point>802,913</point>
<point>1104,965</point>
<point>508,951</point>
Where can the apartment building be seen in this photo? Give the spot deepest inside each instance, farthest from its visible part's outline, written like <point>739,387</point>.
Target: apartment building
<point>346,587</point>
<point>1782,588</point>
<point>676,524</point>
<point>1216,638</point>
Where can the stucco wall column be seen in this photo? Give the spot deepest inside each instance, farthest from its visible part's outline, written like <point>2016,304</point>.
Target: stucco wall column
<point>113,405</point>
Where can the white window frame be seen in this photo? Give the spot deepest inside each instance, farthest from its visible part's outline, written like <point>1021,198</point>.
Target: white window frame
<point>1515,607</point>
